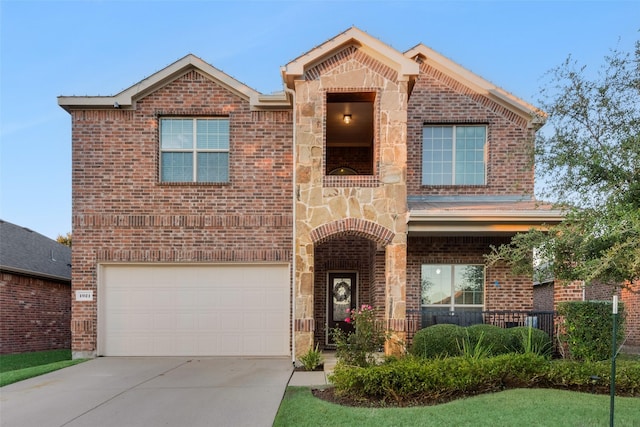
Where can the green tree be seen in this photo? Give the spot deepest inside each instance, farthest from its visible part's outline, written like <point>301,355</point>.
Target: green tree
<point>589,163</point>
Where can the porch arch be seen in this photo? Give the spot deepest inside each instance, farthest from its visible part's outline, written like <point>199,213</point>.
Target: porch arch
<point>353,227</point>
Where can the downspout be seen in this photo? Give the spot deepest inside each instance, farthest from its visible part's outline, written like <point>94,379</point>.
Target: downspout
<point>293,237</point>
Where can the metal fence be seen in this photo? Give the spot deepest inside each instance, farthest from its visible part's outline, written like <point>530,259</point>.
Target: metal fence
<point>418,319</point>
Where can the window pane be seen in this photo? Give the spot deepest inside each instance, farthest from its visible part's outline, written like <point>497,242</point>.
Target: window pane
<point>437,153</point>
<point>177,167</point>
<point>176,133</point>
<point>213,167</point>
<point>469,284</point>
<point>213,134</point>
<point>436,285</point>
<point>470,144</point>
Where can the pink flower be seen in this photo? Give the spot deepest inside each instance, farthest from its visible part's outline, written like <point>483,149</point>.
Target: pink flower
<point>348,320</point>
<point>347,311</point>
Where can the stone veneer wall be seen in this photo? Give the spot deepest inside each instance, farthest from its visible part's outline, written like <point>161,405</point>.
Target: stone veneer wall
<point>378,200</point>
<point>122,213</point>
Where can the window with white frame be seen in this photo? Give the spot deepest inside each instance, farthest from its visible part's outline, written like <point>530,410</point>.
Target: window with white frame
<point>454,155</point>
<point>451,286</point>
<point>194,150</point>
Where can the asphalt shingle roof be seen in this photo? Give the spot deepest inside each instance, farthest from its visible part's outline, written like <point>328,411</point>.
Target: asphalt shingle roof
<point>25,251</point>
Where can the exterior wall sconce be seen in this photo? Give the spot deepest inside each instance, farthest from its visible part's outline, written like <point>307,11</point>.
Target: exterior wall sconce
<point>346,118</point>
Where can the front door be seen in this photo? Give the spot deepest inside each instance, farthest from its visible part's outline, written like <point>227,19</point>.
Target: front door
<point>341,290</point>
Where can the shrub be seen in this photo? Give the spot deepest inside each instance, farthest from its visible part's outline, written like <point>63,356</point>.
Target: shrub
<point>438,341</point>
<point>493,338</point>
<point>311,359</point>
<point>525,339</point>
<point>417,379</point>
<point>587,328</point>
<point>358,348</point>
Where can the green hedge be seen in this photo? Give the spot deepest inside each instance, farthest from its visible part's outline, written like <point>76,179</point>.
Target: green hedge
<point>587,328</point>
<point>447,340</point>
<point>418,378</point>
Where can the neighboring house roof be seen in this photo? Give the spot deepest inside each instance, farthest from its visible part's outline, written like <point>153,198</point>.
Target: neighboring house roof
<point>128,97</point>
<point>490,215</point>
<point>26,252</point>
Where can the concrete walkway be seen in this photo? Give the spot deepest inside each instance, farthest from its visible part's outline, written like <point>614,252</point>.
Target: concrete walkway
<point>150,391</point>
<point>315,378</point>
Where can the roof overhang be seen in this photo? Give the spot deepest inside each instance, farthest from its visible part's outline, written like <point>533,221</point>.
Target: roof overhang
<point>35,274</point>
<point>479,217</point>
<point>127,98</point>
<point>443,64</point>
<point>405,67</point>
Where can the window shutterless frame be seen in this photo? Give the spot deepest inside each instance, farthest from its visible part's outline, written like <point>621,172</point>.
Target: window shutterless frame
<point>451,286</point>
<point>194,149</point>
<point>454,154</point>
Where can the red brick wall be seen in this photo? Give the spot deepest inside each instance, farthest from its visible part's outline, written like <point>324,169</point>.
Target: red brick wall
<point>34,314</point>
<point>512,292</point>
<point>631,298</point>
<point>437,99</point>
<point>123,213</point>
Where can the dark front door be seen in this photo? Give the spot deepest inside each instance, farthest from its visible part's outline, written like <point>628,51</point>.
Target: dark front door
<point>342,297</point>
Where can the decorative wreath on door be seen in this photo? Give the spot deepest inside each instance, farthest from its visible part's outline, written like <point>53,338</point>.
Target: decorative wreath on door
<point>341,291</point>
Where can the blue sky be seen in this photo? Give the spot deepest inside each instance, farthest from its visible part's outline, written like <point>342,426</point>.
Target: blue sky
<point>52,48</point>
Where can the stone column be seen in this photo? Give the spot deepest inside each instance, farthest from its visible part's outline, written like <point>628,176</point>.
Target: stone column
<point>395,295</point>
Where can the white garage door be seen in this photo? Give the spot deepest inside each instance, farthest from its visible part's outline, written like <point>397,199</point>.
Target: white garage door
<point>189,310</point>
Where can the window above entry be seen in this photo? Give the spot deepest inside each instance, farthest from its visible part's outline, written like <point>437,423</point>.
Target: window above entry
<point>194,150</point>
<point>454,155</point>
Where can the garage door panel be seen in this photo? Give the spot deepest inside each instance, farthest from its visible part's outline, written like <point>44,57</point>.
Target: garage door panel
<point>194,310</point>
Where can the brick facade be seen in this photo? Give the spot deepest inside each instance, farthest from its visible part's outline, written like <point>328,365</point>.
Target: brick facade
<point>35,314</point>
<point>122,213</point>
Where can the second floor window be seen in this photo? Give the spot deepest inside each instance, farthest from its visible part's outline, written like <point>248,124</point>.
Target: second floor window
<point>454,155</point>
<point>194,150</point>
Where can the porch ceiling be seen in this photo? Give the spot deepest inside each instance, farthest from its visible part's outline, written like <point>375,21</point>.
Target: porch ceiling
<point>478,216</point>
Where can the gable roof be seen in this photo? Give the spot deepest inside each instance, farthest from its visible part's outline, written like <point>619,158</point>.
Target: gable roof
<point>477,83</point>
<point>373,47</point>
<point>26,252</point>
<point>127,98</point>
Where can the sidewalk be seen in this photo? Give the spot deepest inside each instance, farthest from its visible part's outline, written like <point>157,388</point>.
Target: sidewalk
<point>315,378</point>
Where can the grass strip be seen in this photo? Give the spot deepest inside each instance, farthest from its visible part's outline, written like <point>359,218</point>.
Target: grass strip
<point>11,377</point>
<point>13,362</point>
<point>530,407</point>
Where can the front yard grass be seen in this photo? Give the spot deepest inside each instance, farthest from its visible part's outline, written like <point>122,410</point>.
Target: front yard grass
<point>18,367</point>
<point>530,407</point>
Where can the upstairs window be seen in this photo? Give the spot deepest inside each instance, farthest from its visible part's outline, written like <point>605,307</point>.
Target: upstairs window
<point>454,155</point>
<point>194,150</point>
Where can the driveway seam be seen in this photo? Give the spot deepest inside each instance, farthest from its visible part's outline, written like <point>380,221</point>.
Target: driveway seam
<point>125,391</point>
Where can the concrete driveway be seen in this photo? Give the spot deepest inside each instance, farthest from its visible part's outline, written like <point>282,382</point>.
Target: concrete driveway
<point>150,391</point>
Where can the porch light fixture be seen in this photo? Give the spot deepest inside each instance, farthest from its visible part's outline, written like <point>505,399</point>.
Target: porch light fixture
<point>346,118</point>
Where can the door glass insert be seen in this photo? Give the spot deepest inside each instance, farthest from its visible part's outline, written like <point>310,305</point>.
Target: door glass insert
<point>341,298</point>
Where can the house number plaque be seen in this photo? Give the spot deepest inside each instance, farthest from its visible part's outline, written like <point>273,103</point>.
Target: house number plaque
<point>84,295</point>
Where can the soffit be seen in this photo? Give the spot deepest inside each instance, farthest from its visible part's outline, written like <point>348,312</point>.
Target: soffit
<point>373,47</point>
<point>477,83</point>
<point>127,98</point>
<point>497,215</point>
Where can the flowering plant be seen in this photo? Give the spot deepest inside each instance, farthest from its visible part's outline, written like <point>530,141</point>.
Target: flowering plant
<point>359,347</point>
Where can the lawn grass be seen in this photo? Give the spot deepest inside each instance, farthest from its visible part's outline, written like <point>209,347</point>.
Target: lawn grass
<point>527,407</point>
<point>18,367</point>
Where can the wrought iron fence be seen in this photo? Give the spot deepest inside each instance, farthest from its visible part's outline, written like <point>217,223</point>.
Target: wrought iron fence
<point>417,319</point>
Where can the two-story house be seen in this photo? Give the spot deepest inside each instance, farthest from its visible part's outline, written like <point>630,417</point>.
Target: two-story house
<point>210,219</point>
